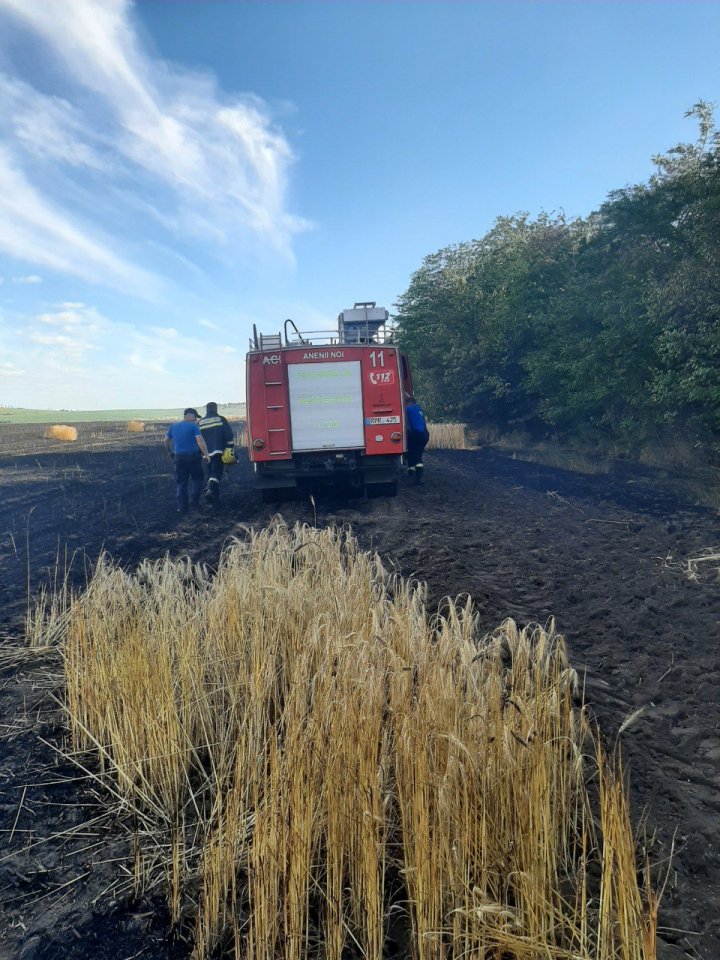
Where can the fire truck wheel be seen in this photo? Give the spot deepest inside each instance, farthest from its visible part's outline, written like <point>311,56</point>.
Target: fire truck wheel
<point>270,495</point>
<point>388,489</point>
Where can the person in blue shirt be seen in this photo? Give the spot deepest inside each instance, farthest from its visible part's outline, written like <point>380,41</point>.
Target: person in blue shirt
<point>417,437</point>
<point>185,443</point>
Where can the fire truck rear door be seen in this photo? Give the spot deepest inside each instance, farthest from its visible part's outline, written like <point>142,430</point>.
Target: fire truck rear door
<point>326,408</point>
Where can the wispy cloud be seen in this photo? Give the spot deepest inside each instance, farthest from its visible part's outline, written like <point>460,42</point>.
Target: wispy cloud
<point>121,133</point>
<point>48,127</point>
<point>75,331</point>
<point>73,317</point>
<point>108,363</point>
<point>70,346</point>
<point>31,279</point>
<point>34,229</point>
<point>10,370</point>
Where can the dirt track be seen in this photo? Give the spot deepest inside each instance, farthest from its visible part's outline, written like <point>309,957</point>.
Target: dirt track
<point>603,555</point>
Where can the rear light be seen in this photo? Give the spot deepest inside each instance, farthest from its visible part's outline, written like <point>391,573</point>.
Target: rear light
<point>396,436</point>
<point>258,444</point>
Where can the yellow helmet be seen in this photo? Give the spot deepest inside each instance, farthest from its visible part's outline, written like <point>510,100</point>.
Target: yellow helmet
<point>229,456</point>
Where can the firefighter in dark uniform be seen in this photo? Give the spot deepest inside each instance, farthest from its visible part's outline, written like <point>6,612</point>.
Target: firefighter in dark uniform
<point>219,437</point>
<point>417,438</point>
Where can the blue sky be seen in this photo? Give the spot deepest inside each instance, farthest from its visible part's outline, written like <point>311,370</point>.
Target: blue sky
<point>173,172</point>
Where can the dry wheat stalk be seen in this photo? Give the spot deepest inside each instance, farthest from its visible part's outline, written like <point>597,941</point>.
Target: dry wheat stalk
<point>447,436</point>
<point>310,757</point>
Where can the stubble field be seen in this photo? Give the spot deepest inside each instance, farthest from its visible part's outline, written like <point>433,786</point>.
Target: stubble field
<point>606,556</point>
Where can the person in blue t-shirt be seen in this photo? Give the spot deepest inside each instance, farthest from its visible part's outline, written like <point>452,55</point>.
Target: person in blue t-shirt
<point>188,449</point>
<point>417,437</point>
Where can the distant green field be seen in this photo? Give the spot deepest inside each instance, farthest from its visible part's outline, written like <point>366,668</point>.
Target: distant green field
<point>24,415</point>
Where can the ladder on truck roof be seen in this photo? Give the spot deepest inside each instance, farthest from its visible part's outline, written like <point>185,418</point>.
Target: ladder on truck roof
<point>265,341</point>
<point>274,341</point>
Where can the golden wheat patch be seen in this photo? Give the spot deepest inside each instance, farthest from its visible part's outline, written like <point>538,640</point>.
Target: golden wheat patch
<point>314,765</point>
<point>447,436</point>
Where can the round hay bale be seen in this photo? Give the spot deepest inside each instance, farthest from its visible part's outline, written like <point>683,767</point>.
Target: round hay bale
<point>60,431</point>
<point>136,426</point>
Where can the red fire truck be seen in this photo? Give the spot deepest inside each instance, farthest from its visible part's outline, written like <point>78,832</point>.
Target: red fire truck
<point>328,407</point>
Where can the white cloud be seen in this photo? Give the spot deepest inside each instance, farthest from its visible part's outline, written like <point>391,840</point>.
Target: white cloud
<point>141,360</point>
<point>209,324</point>
<point>10,370</point>
<point>129,131</point>
<point>48,127</point>
<point>70,345</point>
<point>74,316</point>
<point>77,357</point>
<point>32,228</point>
<point>166,333</point>
<point>73,335</point>
<point>33,278</point>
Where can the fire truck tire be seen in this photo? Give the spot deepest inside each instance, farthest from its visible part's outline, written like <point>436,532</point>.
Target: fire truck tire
<point>388,489</point>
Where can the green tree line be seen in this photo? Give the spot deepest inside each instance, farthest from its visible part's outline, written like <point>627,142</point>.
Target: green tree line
<point>604,329</point>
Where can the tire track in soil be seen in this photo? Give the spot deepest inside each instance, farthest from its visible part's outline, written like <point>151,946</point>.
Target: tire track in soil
<point>526,541</point>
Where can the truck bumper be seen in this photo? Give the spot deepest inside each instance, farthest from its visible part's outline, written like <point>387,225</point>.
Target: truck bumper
<point>326,469</point>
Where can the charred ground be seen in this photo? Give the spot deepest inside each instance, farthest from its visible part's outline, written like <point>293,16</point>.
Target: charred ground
<point>602,554</point>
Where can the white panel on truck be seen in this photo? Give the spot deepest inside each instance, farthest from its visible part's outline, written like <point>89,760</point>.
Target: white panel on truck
<point>326,405</point>
<point>362,314</point>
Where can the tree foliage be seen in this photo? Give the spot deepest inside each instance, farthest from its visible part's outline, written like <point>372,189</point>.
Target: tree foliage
<point>605,327</point>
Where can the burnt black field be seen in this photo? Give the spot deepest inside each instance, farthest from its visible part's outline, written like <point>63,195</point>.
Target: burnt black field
<point>603,555</point>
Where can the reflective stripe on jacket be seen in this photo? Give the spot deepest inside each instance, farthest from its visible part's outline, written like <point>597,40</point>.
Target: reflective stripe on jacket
<point>217,433</point>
